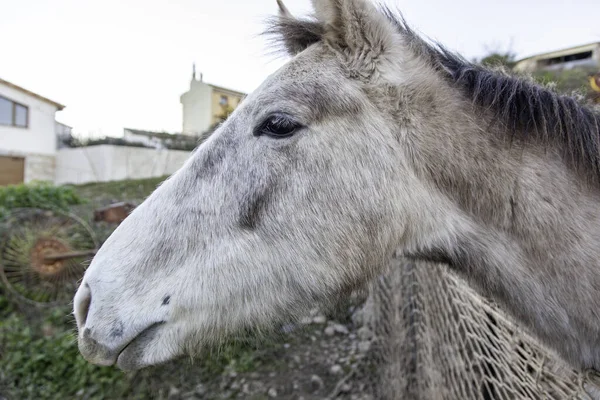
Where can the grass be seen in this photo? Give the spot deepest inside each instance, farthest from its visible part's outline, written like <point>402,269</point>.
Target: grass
<point>40,360</point>
<point>118,190</point>
<point>101,194</point>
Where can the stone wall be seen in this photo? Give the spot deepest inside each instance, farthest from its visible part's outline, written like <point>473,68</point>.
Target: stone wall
<point>40,167</point>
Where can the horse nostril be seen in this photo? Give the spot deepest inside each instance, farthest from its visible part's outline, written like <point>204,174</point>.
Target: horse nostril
<point>82,304</point>
<point>87,333</point>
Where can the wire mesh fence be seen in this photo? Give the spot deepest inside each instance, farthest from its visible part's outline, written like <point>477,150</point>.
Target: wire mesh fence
<point>436,338</point>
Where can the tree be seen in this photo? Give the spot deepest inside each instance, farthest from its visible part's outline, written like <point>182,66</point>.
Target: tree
<point>495,59</point>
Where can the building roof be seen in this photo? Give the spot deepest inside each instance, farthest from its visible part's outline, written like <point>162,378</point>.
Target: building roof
<point>564,51</point>
<point>37,96</point>
<point>224,89</point>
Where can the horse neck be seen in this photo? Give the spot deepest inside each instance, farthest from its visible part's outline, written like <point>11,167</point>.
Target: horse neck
<point>523,224</point>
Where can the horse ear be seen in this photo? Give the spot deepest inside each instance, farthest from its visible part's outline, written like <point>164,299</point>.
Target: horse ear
<point>295,34</point>
<point>283,11</point>
<point>357,28</point>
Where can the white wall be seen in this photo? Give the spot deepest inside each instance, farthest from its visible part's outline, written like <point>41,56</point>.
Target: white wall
<point>196,108</point>
<point>39,137</point>
<point>110,163</point>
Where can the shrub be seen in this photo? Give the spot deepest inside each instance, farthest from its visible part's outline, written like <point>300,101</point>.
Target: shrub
<point>168,141</point>
<point>39,194</point>
<point>569,82</point>
<point>40,361</point>
<point>49,367</point>
<point>565,81</point>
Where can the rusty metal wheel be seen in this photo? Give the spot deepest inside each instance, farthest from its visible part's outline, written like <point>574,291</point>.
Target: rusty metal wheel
<point>43,254</point>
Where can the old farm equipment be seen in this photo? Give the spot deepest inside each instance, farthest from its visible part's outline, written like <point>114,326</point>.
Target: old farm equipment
<point>44,253</point>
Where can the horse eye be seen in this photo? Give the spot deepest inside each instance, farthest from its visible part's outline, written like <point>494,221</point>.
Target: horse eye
<point>278,126</point>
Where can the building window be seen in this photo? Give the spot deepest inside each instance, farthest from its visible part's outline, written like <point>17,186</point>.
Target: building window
<point>6,111</point>
<point>585,55</point>
<point>20,115</point>
<point>224,100</point>
<point>13,114</point>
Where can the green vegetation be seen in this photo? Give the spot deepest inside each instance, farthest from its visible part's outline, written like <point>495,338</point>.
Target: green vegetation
<point>496,59</point>
<point>40,360</point>
<point>40,194</point>
<point>567,81</point>
<point>101,192</point>
<point>572,82</point>
<point>38,366</point>
<point>169,141</point>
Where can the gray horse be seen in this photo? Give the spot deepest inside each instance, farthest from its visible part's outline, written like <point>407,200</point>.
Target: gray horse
<point>370,139</point>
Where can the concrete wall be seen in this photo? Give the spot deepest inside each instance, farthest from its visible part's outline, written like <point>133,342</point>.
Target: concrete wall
<point>110,163</point>
<point>40,167</point>
<point>39,137</point>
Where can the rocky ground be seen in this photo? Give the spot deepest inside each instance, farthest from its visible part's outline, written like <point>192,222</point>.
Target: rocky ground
<point>321,358</point>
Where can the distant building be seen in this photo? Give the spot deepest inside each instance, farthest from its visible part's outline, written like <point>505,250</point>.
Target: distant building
<point>584,57</point>
<point>63,132</point>
<point>205,105</point>
<point>28,135</point>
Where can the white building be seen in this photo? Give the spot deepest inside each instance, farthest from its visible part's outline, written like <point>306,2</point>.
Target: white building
<point>585,56</point>
<point>205,105</point>
<point>28,135</point>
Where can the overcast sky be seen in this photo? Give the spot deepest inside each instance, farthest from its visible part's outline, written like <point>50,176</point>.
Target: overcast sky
<point>124,63</point>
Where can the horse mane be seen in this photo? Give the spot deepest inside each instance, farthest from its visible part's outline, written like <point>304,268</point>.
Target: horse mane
<point>528,110</point>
